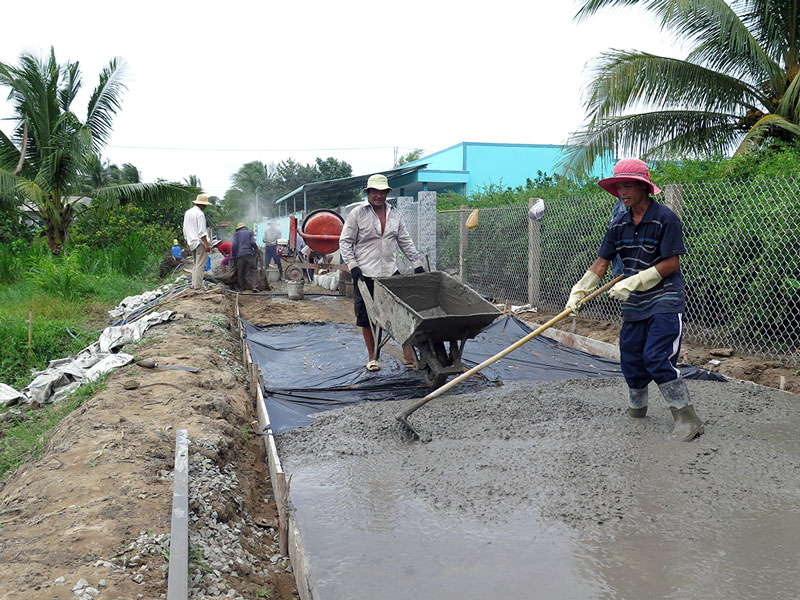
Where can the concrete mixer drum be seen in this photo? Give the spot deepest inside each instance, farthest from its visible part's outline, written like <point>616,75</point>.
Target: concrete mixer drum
<point>321,230</point>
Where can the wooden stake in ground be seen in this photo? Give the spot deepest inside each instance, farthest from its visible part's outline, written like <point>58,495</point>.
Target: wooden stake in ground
<point>30,332</point>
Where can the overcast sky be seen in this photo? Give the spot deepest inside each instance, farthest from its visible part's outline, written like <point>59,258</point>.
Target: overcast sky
<point>212,86</point>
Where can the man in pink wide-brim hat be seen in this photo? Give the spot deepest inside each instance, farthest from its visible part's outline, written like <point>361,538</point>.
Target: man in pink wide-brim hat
<point>648,237</point>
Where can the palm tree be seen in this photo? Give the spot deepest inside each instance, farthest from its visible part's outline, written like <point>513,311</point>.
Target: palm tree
<point>253,184</point>
<point>44,162</point>
<point>735,91</point>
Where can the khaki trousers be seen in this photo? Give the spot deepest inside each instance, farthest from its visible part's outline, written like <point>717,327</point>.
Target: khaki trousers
<point>200,255</point>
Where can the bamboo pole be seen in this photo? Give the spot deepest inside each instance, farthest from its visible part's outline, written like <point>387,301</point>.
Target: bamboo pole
<point>30,332</point>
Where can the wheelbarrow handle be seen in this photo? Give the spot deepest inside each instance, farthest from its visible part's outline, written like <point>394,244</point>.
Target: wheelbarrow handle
<point>403,416</point>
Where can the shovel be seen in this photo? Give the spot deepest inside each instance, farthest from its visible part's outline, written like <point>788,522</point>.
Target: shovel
<point>402,417</point>
<point>149,364</point>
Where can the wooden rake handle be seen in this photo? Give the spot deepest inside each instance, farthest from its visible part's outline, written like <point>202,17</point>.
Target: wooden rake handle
<point>402,416</point>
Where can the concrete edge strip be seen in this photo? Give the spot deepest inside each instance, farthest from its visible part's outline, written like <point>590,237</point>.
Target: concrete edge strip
<point>178,583</point>
<point>585,344</point>
<point>606,350</point>
<point>289,534</point>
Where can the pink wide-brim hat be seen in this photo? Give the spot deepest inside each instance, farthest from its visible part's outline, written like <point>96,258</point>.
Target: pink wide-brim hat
<point>628,169</point>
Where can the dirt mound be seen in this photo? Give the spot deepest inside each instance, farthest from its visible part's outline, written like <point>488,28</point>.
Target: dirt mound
<point>94,510</point>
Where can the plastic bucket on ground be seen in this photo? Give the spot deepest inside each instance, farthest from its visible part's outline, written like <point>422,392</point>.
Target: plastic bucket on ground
<point>294,290</point>
<point>273,275</point>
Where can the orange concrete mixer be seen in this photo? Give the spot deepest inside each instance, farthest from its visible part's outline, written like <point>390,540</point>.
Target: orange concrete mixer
<point>321,230</point>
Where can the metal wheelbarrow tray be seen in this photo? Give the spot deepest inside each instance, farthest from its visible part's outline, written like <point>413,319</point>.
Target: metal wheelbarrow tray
<point>433,313</point>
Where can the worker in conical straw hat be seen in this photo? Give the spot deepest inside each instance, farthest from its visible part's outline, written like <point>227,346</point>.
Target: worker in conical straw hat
<point>648,238</point>
<point>195,232</point>
<point>367,241</point>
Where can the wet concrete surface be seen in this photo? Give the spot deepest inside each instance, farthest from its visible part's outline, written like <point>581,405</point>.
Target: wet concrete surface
<point>549,490</point>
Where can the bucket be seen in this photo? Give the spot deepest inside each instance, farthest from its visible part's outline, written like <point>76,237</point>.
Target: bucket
<point>294,290</point>
<point>273,275</point>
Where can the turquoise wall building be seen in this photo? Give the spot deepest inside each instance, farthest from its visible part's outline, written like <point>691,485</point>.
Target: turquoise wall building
<point>468,166</point>
<point>462,168</point>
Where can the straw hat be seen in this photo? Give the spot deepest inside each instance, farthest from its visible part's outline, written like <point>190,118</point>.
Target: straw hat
<point>628,169</point>
<point>201,199</point>
<point>378,182</point>
<point>239,226</point>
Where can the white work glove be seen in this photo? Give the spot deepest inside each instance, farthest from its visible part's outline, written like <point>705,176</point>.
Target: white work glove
<point>640,282</point>
<point>581,289</point>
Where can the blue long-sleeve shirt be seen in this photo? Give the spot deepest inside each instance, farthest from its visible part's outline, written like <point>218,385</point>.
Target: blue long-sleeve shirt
<point>244,243</point>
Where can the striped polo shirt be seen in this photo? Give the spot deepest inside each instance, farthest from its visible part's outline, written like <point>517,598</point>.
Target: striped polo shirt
<point>657,236</point>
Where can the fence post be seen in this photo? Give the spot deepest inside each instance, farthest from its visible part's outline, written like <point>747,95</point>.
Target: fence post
<point>462,241</point>
<point>405,204</point>
<point>673,197</point>
<point>427,227</point>
<point>534,258</point>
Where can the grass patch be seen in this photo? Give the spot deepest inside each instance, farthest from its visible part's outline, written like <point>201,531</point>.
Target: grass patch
<point>68,312</point>
<point>68,297</point>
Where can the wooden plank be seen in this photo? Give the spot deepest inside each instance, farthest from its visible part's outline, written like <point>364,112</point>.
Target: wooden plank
<point>579,342</point>
<point>299,562</point>
<point>178,583</point>
<point>289,535</point>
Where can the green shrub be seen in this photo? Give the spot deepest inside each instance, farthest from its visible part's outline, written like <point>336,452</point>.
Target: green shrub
<point>61,276</point>
<point>10,265</point>
<point>133,257</point>
<point>92,261</point>
<point>50,340</point>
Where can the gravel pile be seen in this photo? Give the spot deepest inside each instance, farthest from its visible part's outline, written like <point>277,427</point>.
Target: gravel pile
<point>224,542</point>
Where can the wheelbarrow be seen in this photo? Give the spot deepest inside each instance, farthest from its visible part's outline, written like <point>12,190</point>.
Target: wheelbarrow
<point>433,313</point>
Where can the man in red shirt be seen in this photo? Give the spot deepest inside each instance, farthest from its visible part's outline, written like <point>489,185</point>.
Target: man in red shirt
<point>225,248</point>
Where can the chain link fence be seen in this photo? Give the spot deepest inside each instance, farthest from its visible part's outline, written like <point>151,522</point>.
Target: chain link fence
<point>742,267</point>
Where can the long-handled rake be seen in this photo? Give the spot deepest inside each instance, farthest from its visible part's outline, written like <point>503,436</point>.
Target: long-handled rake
<point>402,417</point>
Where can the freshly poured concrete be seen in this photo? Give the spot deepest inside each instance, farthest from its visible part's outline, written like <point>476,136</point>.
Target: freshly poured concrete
<point>549,490</point>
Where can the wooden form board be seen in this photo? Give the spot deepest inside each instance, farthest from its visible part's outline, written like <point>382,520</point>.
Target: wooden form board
<point>178,582</point>
<point>579,342</point>
<point>289,535</point>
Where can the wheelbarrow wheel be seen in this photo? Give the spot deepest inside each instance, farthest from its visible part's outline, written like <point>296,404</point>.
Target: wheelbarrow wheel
<point>294,273</point>
<point>433,379</point>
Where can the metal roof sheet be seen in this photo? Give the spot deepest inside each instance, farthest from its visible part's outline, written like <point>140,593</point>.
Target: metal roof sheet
<point>308,191</point>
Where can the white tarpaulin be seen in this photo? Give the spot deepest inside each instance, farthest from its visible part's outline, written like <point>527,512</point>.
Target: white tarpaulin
<point>9,395</point>
<point>133,303</point>
<point>65,375</point>
<point>50,385</point>
<point>114,337</point>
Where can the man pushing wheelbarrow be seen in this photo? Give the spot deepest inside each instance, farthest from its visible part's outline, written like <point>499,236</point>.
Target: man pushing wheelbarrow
<point>367,243</point>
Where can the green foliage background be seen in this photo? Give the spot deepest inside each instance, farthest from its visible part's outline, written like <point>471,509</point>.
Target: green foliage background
<point>741,220</point>
<point>67,295</point>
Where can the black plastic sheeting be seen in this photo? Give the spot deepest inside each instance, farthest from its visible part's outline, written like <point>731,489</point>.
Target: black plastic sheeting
<point>311,367</point>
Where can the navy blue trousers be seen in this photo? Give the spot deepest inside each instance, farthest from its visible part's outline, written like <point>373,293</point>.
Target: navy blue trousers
<point>649,349</point>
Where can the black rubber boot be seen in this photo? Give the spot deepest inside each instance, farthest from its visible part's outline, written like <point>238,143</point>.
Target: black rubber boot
<point>637,403</point>
<point>687,424</point>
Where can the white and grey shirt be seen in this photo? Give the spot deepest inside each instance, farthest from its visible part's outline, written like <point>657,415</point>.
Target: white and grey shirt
<point>362,244</point>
